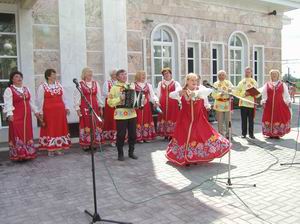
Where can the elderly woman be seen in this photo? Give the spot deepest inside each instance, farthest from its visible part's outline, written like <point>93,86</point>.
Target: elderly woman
<point>54,134</point>
<point>194,139</point>
<point>170,107</point>
<point>276,102</point>
<point>91,90</point>
<point>145,130</point>
<point>109,133</point>
<point>18,105</point>
<point>222,104</point>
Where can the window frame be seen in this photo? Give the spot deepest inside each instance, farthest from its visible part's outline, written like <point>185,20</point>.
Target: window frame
<point>197,56</point>
<point>10,9</point>
<point>260,79</point>
<point>244,54</point>
<point>220,61</point>
<point>176,51</point>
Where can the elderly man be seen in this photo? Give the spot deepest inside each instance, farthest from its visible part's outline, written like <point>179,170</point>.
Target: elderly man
<point>222,104</point>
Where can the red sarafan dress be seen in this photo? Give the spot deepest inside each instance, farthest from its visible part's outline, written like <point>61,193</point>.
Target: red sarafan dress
<point>54,135</point>
<point>194,139</point>
<point>167,119</point>
<point>145,130</point>
<point>85,122</point>
<point>276,115</point>
<point>20,142</point>
<point>109,132</point>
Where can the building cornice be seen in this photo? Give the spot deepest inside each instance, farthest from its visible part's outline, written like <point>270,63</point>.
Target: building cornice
<point>290,4</point>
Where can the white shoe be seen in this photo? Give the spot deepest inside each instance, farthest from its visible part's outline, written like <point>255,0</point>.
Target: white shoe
<point>51,154</point>
<point>60,152</point>
<point>113,144</point>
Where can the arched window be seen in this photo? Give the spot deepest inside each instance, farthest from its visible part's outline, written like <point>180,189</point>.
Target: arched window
<point>164,52</point>
<point>238,56</point>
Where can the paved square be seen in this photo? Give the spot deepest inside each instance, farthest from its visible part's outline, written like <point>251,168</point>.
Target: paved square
<point>57,190</point>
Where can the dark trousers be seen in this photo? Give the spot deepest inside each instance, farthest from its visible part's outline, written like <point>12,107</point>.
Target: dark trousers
<point>122,126</point>
<point>247,115</point>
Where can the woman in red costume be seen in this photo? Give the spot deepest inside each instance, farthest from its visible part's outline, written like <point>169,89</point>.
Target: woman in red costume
<point>109,131</point>
<point>54,133</point>
<point>276,102</point>
<point>18,105</point>
<point>170,107</point>
<point>194,139</point>
<point>145,130</point>
<point>91,90</point>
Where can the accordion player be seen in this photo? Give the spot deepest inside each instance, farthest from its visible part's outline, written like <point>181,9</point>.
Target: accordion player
<point>132,99</point>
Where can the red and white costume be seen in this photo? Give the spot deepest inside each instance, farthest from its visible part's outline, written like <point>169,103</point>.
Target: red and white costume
<point>145,129</point>
<point>194,139</point>
<point>170,108</point>
<point>109,132</point>
<point>91,91</point>
<point>276,115</point>
<point>19,104</point>
<point>55,134</point>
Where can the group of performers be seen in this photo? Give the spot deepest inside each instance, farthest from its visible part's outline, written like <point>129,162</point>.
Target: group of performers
<point>182,114</point>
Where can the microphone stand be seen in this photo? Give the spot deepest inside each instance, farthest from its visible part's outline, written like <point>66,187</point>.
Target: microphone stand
<point>229,185</point>
<point>95,217</point>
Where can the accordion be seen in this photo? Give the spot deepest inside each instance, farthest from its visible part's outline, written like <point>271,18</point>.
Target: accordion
<point>133,99</point>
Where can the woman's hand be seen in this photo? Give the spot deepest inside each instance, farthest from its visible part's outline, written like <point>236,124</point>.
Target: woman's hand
<point>101,111</point>
<point>182,92</point>
<point>10,118</point>
<point>37,115</point>
<point>79,113</point>
<point>156,104</point>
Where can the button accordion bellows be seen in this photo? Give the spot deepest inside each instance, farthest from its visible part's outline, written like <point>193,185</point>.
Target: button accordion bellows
<point>133,99</point>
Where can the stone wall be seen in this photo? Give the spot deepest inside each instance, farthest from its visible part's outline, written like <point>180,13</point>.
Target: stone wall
<point>94,37</point>
<point>46,49</point>
<point>201,22</point>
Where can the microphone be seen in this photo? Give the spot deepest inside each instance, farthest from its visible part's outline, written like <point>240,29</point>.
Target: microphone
<point>208,85</point>
<point>76,82</point>
<point>289,82</point>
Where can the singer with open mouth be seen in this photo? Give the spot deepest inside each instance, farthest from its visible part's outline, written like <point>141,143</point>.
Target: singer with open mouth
<point>276,101</point>
<point>194,139</point>
<point>170,107</point>
<point>145,129</point>
<point>91,90</point>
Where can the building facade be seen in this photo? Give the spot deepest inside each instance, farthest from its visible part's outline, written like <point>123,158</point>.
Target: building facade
<point>186,35</point>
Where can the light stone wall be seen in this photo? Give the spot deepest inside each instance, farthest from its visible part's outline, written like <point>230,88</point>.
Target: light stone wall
<point>201,22</point>
<point>46,49</point>
<point>94,38</point>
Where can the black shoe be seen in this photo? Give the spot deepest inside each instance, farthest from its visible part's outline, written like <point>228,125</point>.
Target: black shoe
<point>121,158</point>
<point>132,156</point>
<point>243,136</point>
<point>252,136</point>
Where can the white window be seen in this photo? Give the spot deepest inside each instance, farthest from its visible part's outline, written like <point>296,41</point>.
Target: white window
<point>217,60</point>
<point>238,56</point>
<point>258,64</point>
<point>163,53</point>
<point>192,57</point>
<point>8,54</point>
<point>236,60</point>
